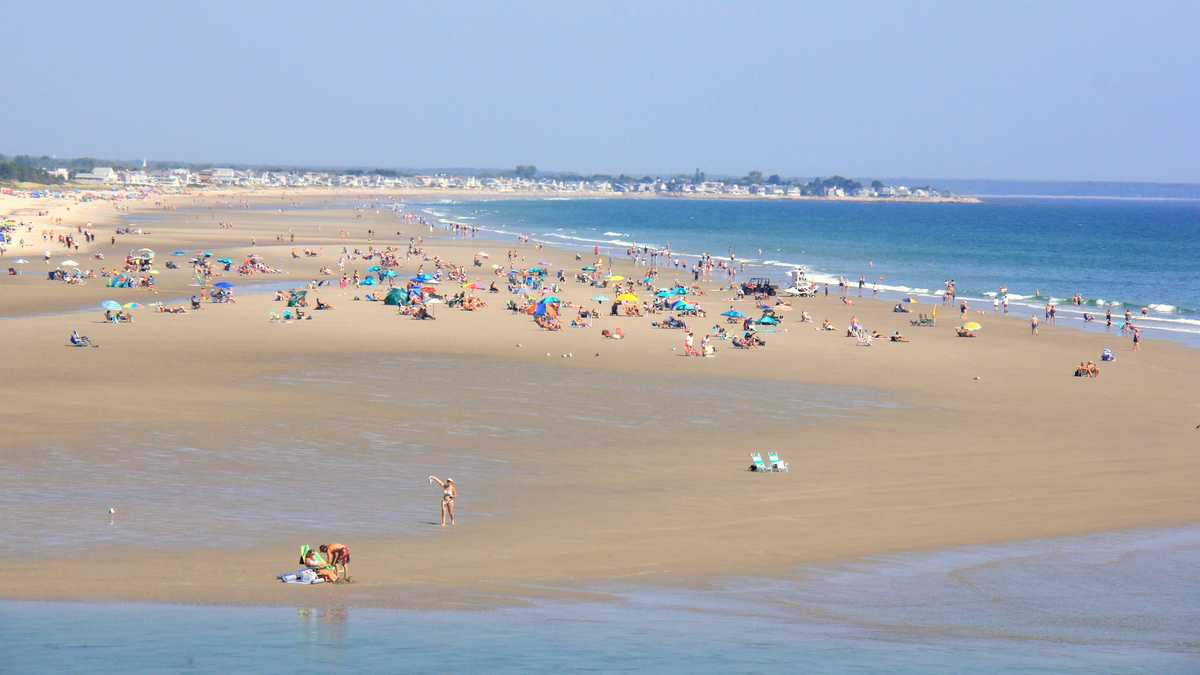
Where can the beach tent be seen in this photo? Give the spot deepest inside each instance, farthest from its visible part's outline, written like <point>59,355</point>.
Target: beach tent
<point>395,297</point>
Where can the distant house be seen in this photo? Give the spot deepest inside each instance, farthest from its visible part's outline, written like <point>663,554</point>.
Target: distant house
<point>98,175</point>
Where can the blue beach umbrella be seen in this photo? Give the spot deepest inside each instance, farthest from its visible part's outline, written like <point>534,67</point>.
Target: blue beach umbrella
<point>589,268</point>
<point>663,294</point>
<point>369,281</point>
<point>225,261</point>
<point>111,306</point>
<point>733,313</point>
<point>391,274</point>
<point>223,284</point>
<point>374,268</point>
<point>179,252</point>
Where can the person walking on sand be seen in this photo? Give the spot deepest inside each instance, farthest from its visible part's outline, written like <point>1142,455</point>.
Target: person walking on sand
<point>1033,324</point>
<point>449,492</point>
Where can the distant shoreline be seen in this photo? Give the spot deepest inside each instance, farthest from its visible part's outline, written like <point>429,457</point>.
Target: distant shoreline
<point>106,192</point>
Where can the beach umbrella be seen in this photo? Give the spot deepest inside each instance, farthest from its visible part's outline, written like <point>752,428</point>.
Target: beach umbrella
<point>663,294</point>
<point>223,284</point>
<point>369,281</point>
<point>474,287</point>
<point>179,252</point>
<point>21,261</point>
<point>225,261</point>
<point>68,263</point>
<point>433,301</point>
<point>767,321</point>
<point>551,300</point>
<point>733,313</point>
<point>110,306</point>
<point>600,298</point>
<point>133,305</point>
<point>615,277</point>
<point>972,325</point>
<point>627,297</point>
<point>374,268</point>
<point>428,289</point>
<point>589,268</point>
<point>145,253</point>
<point>683,307</point>
<point>495,267</point>
<point>391,274</point>
<point>208,254</point>
<point>536,270</point>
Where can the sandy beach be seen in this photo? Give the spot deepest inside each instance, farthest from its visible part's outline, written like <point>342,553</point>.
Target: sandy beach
<point>624,461</point>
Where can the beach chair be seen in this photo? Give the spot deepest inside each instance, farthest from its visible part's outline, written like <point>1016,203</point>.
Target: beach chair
<point>758,465</point>
<point>776,463</point>
<point>863,338</point>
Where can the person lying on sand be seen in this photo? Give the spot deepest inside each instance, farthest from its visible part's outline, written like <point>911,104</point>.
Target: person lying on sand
<point>963,332</point>
<point>897,337</point>
<point>323,305</point>
<point>312,560</point>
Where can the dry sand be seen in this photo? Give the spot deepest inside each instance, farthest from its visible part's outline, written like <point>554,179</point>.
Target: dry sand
<point>980,440</point>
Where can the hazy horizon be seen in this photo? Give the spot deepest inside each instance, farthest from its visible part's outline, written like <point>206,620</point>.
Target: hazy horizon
<point>1075,92</point>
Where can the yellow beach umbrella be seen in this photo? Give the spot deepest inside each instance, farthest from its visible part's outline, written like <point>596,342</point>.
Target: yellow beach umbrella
<point>627,297</point>
<point>972,325</point>
<point>615,277</point>
<point>153,272</point>
<point>132,305</point>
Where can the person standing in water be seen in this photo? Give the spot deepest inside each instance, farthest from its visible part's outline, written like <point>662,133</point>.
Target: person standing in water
<point>449,492</point>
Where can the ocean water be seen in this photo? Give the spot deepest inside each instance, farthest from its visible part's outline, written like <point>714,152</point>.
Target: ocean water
<point>1116,253</point>
<point>1115,603</point>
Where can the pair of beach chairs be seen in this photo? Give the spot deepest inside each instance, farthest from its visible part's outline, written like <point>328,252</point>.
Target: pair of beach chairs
<point>773,463</point>
<point>923,321</point>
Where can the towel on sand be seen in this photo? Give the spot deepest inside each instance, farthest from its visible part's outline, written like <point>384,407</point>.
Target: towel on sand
<point>304,576</point>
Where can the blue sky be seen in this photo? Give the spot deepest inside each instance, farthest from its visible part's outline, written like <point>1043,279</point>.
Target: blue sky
<point>1047,90</point>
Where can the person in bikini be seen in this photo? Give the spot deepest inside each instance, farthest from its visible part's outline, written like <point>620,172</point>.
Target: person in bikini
<point>449,492</point>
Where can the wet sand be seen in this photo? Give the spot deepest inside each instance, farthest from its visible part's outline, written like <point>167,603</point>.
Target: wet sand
<point>625,462</point>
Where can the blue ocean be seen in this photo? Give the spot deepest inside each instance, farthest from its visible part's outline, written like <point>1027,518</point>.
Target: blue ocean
<point>1116,253</point>
<point>1114,603</point>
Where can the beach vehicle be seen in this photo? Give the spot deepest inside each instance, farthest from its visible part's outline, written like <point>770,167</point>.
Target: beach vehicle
<point>759,285</point>
<point>923,321</point>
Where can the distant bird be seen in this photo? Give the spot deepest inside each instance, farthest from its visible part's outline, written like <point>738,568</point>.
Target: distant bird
<point>112,510</point>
